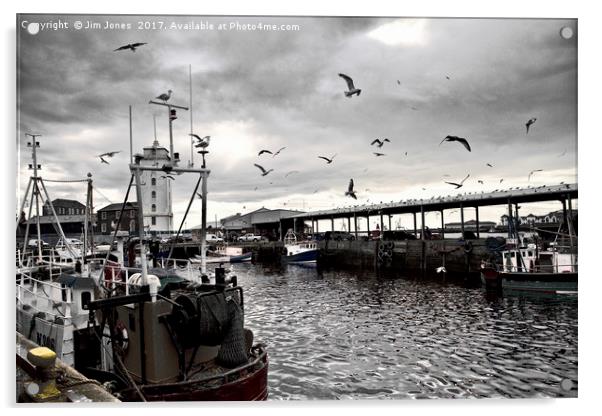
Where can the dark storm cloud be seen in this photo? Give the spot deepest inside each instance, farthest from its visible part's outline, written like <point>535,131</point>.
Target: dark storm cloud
<point>282,89</point>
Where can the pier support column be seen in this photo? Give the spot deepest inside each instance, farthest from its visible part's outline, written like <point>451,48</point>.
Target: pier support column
<point>564,216</point>
<point>331,223</point>
<point>442,226</point>
<point>349,225</point>
<point>317,226</point>
<point>415,230</point>
<point>368,225</point>
<point>382,223</point>
<point>462,219</point>
<point>390,222</point>
<point>355,224</point>
<point>421,222</point>
<point>476,210</point>
<point>313,230</point>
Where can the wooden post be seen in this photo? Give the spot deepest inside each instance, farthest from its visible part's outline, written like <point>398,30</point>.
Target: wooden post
<point>390,222</point>
<point>349,225</point>
<point>355,224</point>
<point>368,225</point>
<point>415,230</point>
<point>509,218</point>
<point>462,219</point>
<point>382,224</point>
<point>421,222</point>
<point>442,226</point>
<point>331,223</point>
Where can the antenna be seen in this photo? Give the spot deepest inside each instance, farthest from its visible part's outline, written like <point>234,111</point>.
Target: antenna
<point>191,162</point>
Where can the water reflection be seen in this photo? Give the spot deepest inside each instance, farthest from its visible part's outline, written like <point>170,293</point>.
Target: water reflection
<point>336,335</point>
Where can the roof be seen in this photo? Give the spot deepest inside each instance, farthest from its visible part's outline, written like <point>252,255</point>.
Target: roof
<point>63,219</point>
<point>117,207</point>
<point>69,203</point>
<point>259,216</point>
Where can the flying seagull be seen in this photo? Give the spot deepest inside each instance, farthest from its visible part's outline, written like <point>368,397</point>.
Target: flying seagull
<point>379,143</point>
<point>447,76</point>
<point>398,82</point>
<point>501,180</point>
<point>199,195</point>
<point>202,142</point>
<point>533,171</point>
<point>131,46</point>
<point>167,177</point>
<point>328,161</point>
<point>490,165</point>
<point>279,150</point>
<point>109,154</point>
<point>350,192</point>
<point>164,97</point>
<point>480,181</point>
<point>458,185</point>
<point>456,139</point>
<point>378,154</point>
<point>103,161</point>
<point>263,171</point>
<point>289,173</point>
<point>529,123</point>
<point>263,151</point>
<point>350,86</point>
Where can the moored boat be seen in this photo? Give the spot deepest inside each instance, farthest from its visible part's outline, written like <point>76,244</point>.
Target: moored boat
<point>299,252</point>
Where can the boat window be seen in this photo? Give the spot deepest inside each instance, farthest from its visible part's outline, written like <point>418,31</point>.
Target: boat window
<point>530,253</point>
<point>512,254</point>
<point>86,298</point>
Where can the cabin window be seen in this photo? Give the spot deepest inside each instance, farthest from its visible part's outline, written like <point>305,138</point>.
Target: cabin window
<point>153,220</point>
<point>530,253</point>
<point>153,208</point>
<point>153,195</point>
<point>103,215</point>
<point>86,298</point>
<point>153,181</point>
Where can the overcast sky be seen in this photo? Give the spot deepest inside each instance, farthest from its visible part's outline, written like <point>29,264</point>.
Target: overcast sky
<point>256,90</point>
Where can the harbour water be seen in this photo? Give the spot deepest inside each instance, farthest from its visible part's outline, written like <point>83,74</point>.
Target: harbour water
<point>353,335</point>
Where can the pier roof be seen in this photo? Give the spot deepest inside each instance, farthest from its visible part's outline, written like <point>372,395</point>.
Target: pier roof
<point>466,200</point>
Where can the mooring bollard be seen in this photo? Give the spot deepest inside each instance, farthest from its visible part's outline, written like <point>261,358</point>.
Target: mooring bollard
<point>44,388</point>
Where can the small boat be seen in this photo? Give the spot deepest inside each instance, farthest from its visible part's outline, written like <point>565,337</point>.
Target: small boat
<point>299,252</point>
<point>529,269</point>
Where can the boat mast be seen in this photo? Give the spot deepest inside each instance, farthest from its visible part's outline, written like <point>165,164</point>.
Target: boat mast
<point>36,190</point>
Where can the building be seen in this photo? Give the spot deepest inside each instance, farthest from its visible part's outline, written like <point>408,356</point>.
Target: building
<point>271,223</point>
<point>107,217</point>
<point>551,218</point>
<point>64,207</point>
<point>156,191</point>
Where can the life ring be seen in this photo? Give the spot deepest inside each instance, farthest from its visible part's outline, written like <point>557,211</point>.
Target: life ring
<point>121,337</point>
<point>468,247</point>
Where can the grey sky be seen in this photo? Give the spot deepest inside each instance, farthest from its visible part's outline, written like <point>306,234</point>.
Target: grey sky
<point>257,89</point>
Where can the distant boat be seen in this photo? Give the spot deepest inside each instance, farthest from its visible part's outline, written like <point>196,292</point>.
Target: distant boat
<point>299,252</point>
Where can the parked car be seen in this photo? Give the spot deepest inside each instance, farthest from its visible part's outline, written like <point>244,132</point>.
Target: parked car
<point>398,235</point>
<point>212,238</point>
<point>251,237</point>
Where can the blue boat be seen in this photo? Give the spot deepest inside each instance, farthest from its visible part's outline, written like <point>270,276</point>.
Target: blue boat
<point>299,252</point>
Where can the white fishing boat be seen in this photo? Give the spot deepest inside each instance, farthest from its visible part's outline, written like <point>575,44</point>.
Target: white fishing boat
<point>299,252</point>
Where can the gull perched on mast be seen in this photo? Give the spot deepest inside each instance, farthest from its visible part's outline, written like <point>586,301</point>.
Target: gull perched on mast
<point>164,97</point>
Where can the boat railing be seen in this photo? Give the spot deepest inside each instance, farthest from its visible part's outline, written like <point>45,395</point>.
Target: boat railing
<point>545,268</point>
<point>182,265</point>
<point>58,297</point>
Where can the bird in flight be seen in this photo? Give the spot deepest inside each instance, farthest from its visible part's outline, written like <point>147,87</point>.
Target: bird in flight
<point>289,173</point>
<point>202,142</point>
<point>398,82</point>
<point>164,97</point>
<point>379,143</point>
<point>533,171</point>
<point>263,171</point>
<point>378,154</point>
<point>131,46</point>
<point>103,161</point>
<point>328,161</point>
<point>350,86</point>
<point>529,123</point>
<point>350,192</point>
<point>264,151</point>
<point>480,181</point>
<point>447,76</point>
<point>456,139</point>
<point>199,195</point>
<point>279,150</point>
<point>458,185</point>
<point>501,180</point>
<point>167,177</point>
<point>110,154</point>
<point>490,165</point>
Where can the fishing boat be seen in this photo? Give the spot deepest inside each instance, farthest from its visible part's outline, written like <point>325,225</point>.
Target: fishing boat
<point>167,331</point>
<point>529,267</point>
<point>304,252</point>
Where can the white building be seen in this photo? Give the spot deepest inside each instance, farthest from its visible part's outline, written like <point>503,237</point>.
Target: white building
<point>156,191</point>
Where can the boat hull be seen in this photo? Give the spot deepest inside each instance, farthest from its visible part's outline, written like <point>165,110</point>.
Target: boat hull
<point>556,283</point>
<point>242,258</point>
<point>309,256</point>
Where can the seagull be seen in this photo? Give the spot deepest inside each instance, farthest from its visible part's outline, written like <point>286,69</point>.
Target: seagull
<point>379,143</point>
<point>164,97</point>
<point>441,270</point>
<point>350,86</point>
<point>279,150</point>
<point>501,180</point>
<point>202,142</point>
<point>289,173</point>
<point>447,76</point>
<point>490,165</point>
<point>103,161</point>
<point>458,185</point>
<point>378,154</point>
<point>406,153</point>
<point>328,161</point>
<point>167,177</point>
<point>529,123</point>
<point>398,82</point>
<point>109,154</point>
<point>480,181</point>
<point>131,46</point>
<point>533,171</point>
<point>199,195</point>
<point>414,108</point>
<point>264,151</point>
<point>456,139</point>
<point>263,171</point>
<point>350,192</point>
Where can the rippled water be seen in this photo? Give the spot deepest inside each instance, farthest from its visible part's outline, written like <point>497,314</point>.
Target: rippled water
<point>340,335</point>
